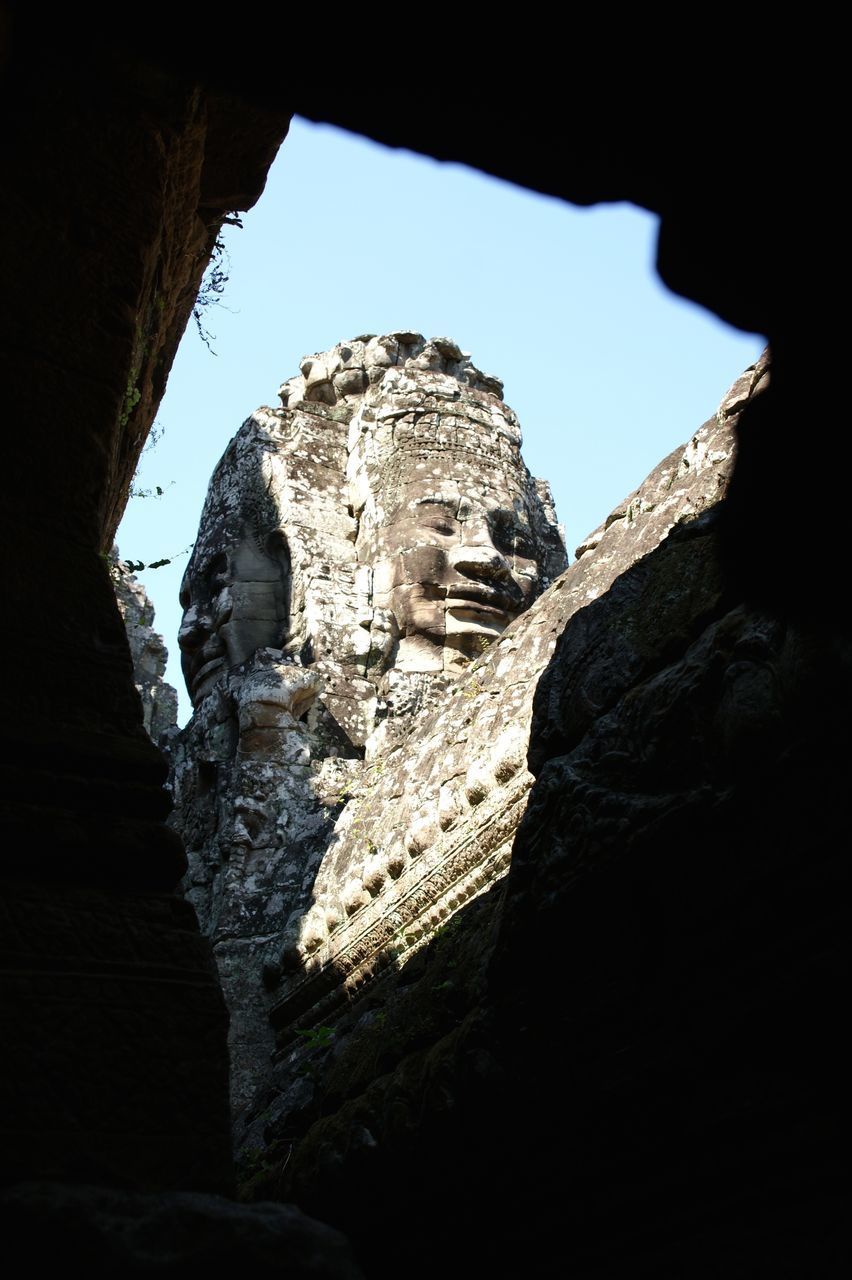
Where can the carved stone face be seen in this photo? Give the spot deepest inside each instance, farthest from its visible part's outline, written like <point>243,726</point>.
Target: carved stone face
<point>235,602</point>
<point>417,534</point>
<point>456,563</point>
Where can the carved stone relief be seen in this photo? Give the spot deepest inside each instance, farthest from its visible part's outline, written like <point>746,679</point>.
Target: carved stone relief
<point>359,549</point>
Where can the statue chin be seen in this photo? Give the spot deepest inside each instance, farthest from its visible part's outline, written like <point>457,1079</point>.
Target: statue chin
<point>205,679</point>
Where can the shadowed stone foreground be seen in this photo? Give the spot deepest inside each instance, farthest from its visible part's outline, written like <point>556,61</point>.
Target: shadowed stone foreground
<point>179,1233</point>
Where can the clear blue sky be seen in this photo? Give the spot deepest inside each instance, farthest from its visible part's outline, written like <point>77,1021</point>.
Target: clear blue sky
<point>606,370</point>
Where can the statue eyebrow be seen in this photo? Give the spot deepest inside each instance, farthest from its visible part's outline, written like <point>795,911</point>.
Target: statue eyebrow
<point>451,504</point>
<point>519,518</point>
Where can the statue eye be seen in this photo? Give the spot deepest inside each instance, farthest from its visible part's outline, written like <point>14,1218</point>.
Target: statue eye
<point>217,574</point>
<point>440,525</point>
<point>511,538</point>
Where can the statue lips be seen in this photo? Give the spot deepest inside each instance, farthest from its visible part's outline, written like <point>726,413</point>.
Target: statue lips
<point>483,600</point>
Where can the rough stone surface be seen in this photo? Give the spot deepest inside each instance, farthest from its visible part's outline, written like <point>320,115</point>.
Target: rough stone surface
<point>359,549</point>
<point>379,854</point>
<point>148,652</point>
<point>114,1065</point>
<point>177,1234</point>
<point>103,282</point>
<point>107,975</point>
<point>600,1040</point>
<point>437,812</point>
<point>435,815</point>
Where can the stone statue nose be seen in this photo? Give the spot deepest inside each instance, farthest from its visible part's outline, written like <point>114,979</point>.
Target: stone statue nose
<point>482,560</point>
<point>195,628</point>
